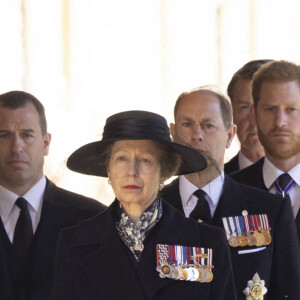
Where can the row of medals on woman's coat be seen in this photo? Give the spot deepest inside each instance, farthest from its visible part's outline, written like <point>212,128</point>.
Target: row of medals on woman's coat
<point>191,272</point>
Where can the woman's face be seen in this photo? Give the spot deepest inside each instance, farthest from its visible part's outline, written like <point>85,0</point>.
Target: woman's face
<point>134,171</point>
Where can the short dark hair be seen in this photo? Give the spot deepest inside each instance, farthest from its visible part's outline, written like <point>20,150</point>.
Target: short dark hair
<point>246,72</point>
<point>225,105</point>
<point>275,71</point>
<point>19,99</point>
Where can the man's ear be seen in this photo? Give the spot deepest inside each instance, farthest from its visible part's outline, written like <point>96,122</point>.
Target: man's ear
<point>172,130</point>
<point>231,131</point>
<point>252,115</point>
<point>46,142</point>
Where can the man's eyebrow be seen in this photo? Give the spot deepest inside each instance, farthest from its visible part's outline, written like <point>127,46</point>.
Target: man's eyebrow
<point>184,118</point>
<point>242,101</point>
<point>192,120</point>
<point>22,130</point>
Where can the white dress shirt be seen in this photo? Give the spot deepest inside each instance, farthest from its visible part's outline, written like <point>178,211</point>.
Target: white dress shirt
<point>244,162</point>
<point>213,190</point>
<point>271,173</point>
<point>10,212</point>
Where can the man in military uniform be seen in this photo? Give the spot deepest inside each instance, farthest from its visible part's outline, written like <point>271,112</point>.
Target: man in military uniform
<point>258,225</point>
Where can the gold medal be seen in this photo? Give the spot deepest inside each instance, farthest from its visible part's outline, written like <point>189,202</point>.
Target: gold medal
<point>260,239</point>
<point>267,236</point>
<point>251,239</point>
<point>184,274</point>
<point>234,241</point>
<point>243,240</point>
<point>165,269</point>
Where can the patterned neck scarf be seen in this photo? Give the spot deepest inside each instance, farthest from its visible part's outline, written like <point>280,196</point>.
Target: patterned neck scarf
<point>132,233</point>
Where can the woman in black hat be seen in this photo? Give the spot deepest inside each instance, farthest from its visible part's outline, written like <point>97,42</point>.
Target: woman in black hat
<point>140,247</point>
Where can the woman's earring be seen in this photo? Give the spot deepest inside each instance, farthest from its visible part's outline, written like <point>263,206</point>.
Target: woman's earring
<point>161,186</point>
<point>108,180</point>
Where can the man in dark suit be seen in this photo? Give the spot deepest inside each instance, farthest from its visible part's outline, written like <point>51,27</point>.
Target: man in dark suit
<point>33,210</point>
<point>239,92</point>
<point>258,225</point>
<point>276,112</point>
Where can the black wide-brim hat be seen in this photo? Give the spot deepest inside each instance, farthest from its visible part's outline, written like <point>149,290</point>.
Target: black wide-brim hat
<point>133,125</point>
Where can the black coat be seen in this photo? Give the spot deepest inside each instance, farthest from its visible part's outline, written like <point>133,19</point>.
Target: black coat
<point>232,165</point>
<point>92,262</point>
<point>278,264</point>
<point>60,209</point>
<point>253,176</point>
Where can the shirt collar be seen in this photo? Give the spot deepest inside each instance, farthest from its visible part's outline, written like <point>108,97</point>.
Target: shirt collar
<point>213,189</point>
<point>34,197</point>
<point>271,173</point>
<point>244,162</point>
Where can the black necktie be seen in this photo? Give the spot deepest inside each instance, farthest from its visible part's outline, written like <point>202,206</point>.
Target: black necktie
<point>283,184</point>
<point>23,231</point>
<point>201,212</point>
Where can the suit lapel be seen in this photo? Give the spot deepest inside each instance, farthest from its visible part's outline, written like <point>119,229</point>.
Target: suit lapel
<point>230,203</point>
<point>258,174</point>
<point>5,289</point>
<point>102,255</point>
<point>46,236</point>
<point>297,221</point>
<point>232,165</point>
<point>252,175</point>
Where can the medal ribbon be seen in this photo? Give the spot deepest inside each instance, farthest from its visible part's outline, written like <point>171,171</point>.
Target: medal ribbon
<point>172,256</point>
<point>227,226</point>
<point>182,255</point>
<point>178,252</point>
<point>188,255</point>
<point>246,225</point>
<point>162,253</point>
<point>281,192</point>
<point>235,226</point>
<point>258,221</point>
<point>184,260</point>
<point>255,222</point>
<point>242,227</point>
<point>262,221</point>
<point>265,217</point>
<point>209,259</point>
<point>250,222</point>
<point>193,255</point>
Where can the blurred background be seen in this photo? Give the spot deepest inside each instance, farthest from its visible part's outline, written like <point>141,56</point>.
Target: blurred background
<point>87,59</point>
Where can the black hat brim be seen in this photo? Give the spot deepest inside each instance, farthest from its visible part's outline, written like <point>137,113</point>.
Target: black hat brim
<point>85,160</point>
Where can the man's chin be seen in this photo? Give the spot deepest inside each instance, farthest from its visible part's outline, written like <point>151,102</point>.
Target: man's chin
<point>19,176</point>
<point>281,152</point>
